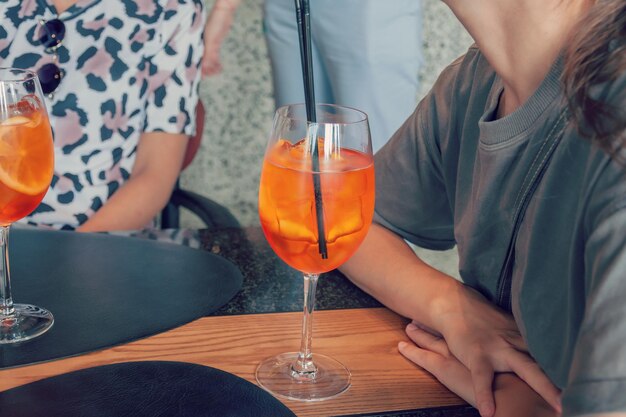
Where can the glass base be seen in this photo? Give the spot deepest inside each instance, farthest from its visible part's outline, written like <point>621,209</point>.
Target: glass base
<point>26,323</point>
<point>276,375</point>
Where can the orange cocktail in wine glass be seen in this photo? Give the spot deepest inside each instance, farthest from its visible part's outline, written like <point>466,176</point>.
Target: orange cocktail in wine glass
<point>26,168</point>
<point>316,203</point>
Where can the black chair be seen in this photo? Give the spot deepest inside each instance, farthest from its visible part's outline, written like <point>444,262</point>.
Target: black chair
<point>212,214</point>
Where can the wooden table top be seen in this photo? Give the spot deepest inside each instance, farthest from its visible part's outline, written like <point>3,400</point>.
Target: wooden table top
<point>365,340</point>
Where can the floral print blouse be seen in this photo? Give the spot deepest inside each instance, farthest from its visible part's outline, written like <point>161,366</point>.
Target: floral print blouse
<point>129,67</point>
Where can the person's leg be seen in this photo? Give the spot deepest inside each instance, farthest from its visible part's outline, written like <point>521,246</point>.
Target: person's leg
<point>281,33</point>
<point>372,53</point>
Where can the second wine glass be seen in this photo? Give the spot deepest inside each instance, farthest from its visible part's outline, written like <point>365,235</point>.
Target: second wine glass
<point>26,169</point>
<point>316,203</point>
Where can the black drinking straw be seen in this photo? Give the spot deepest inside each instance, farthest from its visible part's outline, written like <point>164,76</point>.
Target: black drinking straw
<point>304,30</point>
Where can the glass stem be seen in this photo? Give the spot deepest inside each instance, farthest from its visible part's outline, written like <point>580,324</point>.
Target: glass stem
<point>6,302</point>
<point>304,368</point>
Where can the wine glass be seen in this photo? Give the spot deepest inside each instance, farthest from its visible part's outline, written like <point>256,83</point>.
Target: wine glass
<point>316,203</point>
<point>26,167</point>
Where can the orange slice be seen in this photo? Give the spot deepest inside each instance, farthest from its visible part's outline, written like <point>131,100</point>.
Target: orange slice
<point>26,158</point>
<point>18,120</point>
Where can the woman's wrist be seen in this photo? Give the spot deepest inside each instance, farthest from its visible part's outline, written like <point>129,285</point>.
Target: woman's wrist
<point>446,304</point>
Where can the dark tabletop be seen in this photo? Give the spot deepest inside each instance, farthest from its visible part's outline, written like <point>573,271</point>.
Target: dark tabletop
<point>269,284</point>
<point>108,290</point>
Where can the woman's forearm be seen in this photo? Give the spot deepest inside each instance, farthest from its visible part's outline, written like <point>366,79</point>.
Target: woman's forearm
<point>388,269</point>
<point>139,200</point>
<point>132,207</point>
<point>231,5</point>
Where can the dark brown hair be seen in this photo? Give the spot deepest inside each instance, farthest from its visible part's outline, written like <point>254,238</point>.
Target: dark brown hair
<point>594,59</point>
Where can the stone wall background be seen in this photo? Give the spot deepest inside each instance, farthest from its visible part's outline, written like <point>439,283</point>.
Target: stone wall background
<point>240,107</point>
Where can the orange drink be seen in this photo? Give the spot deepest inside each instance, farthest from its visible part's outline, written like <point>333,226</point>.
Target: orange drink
<point>316,203</point>
<point>26,160</point>
<point>26,169</point>
<point>287,204</point>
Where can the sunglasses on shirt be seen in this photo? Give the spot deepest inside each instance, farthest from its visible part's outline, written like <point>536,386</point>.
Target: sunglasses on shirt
<point>51,35</point>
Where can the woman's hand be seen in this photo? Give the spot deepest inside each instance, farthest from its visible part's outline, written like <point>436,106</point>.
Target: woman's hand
<point>486,340</point>
<point>431,352</point>
<point>513,396</point>
<point>483,338</point>
<point>217,27</point>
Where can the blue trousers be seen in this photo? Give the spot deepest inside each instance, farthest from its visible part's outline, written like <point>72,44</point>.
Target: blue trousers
<point>366,54</point>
